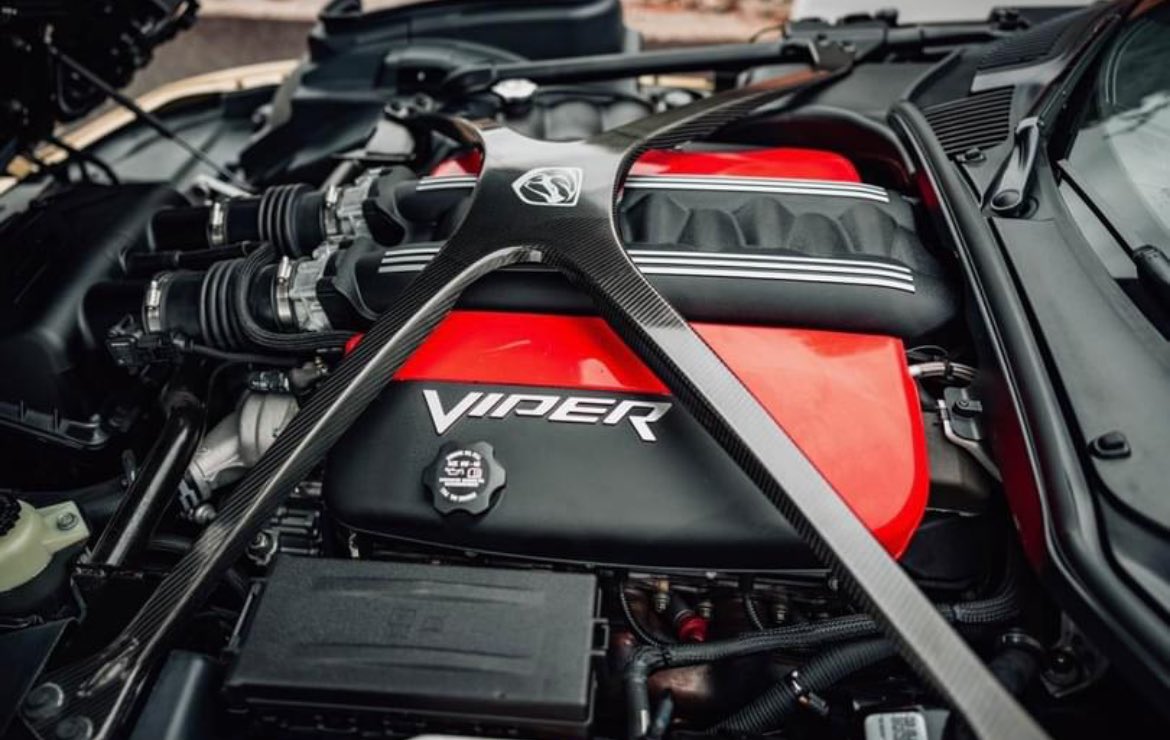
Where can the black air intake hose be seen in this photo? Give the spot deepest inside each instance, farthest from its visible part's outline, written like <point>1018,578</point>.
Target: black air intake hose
<point>230,307</point>
<point>769,711</point>
<point>290,217</point>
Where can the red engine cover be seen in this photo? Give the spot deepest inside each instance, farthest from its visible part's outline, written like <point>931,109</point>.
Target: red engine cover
<point>780,162</point>
<point>772,162</point>
<point>846,399</point>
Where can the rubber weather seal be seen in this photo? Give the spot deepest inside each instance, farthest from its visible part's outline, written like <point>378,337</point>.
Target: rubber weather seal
<point>555,204</point>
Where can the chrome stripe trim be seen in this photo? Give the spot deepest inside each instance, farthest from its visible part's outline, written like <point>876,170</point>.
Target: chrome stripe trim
<point>783,185</point>
<point>736,179</point>
<point>445,186</point>
<point>782,276</point>
<point>408,258</point>
<point>796,266</point>
<point>752,257</point>
<point>906,286</point>
<point>396,252</point>
<point>776,189</point>
<point>443,183</point>
<point>422,255</point>
<point>416,267</point>
<point>682,257</point>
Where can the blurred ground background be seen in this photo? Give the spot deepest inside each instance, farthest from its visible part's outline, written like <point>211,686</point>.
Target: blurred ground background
<point>234,32</point>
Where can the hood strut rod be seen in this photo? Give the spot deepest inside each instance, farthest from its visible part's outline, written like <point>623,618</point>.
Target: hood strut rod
<point>144,115</point>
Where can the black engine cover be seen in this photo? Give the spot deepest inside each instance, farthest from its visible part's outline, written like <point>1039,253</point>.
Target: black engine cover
<point>582,486</point>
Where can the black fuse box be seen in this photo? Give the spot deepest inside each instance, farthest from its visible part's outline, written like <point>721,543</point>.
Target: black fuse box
<point>380,647</point>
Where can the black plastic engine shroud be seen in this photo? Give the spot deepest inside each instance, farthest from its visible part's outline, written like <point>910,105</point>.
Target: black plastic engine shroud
<point>576,492</point>
<point>581,240</point>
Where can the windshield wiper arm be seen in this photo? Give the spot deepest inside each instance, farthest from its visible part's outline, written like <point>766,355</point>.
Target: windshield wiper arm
<point>1011,189</point>
<point>1009,195</point>
<point>1153,266</point>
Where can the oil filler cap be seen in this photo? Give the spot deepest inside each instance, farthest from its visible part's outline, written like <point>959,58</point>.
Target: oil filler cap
<point>464,477</point>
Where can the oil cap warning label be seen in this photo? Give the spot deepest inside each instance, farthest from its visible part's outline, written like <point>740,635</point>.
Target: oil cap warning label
<point>464,477</point>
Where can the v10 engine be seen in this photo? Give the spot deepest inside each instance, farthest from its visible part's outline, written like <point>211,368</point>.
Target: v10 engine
<point>593,461</point>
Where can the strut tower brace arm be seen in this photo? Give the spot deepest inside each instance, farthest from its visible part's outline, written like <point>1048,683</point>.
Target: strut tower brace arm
<point>579,237</point>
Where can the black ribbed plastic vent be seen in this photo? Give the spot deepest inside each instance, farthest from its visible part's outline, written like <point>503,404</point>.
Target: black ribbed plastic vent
<point>9,513</point>
<point>1035,44</point>
<point>977,121</point>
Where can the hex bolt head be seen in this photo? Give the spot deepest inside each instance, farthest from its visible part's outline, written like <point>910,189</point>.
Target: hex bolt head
<point>43,701</point>
<point>74,728</point>
<point>974,155</point>
<point>67,521</point>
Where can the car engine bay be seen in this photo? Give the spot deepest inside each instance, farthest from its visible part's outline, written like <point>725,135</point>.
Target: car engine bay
<point>526,533</point>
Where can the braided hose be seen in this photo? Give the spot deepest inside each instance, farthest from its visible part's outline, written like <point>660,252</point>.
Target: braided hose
<point>322,341</point>
<point>804,637</point>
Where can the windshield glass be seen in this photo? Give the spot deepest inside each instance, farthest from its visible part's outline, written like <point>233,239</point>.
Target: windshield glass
<point>1123,145</point>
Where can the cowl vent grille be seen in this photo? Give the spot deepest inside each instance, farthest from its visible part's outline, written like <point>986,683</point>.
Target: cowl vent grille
<point>978,121</point>
<point>1035,44</point>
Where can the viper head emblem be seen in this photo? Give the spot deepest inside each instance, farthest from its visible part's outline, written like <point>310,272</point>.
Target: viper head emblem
<point>549,186</point>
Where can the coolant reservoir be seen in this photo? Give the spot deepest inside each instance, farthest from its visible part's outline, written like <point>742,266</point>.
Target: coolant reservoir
<point>29,538</point>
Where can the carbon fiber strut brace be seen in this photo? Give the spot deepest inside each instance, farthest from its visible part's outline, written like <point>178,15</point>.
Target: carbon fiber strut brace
<point>524,210</point>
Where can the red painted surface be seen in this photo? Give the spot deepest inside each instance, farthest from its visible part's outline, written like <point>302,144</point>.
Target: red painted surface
<point>847,400</point>
<point>692,629</point>
<point>467,163</point>
<point>780,162</point>
<point>530,349</point>
<point>784,162</point>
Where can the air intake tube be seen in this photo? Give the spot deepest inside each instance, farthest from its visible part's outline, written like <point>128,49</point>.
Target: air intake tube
<point>245,304</point>
<point>290,217</point>
<point>295,219</point>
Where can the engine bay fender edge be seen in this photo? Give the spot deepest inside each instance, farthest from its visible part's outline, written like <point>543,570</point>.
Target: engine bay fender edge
<point>1069,556</point>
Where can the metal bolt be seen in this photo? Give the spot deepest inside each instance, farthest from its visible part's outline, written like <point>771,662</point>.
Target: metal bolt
<point>44,701</point>
<point>203,514</point>
<point>67,521</point>
<point>974,155</point>
<point>661,595</point>
<point>74,728</point>
<point>1063,667</point>
<point>677,98</point>
<point>779,612</point>
<point>516,90</point>
<point>705,609</point>
<point>968,407</point>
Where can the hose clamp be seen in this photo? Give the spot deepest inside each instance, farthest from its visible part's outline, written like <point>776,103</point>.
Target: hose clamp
<point>1020,640</point>
<point>330,221</point>
<point>804,696</point>
<point>281,301</point>
<point>217,225</point>
<point>152,303</point>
